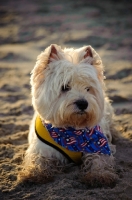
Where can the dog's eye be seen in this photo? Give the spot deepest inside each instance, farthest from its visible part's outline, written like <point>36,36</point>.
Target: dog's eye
<point>65,88</point>
<point>87,88</point>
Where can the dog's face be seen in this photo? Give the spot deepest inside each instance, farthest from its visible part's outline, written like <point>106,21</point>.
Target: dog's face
<point>67,87</point>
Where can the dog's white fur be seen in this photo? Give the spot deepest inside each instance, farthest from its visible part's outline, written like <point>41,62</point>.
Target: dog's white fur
<point>81,72</point>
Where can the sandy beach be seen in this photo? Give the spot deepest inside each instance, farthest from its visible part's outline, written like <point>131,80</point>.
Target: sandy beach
<point>26,29</point>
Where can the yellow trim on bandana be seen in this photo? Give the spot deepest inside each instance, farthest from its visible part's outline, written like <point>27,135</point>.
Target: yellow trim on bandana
<point>45,137</point>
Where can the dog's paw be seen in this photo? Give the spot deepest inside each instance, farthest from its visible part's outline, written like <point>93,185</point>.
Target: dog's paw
<point>35,174</point>
<point>98,170</point>
<point>39,170</point>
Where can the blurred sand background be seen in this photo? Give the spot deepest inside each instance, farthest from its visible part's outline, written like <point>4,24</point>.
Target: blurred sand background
<point>26,28</point>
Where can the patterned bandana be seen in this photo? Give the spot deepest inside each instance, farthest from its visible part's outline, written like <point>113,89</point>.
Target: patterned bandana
<point>82,140</point>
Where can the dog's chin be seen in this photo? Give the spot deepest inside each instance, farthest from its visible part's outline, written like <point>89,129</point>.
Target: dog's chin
<point>83,119</point>
<point>79,120</point>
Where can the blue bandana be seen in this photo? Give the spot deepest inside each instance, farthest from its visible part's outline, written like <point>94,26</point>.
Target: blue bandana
<point>82,140</point>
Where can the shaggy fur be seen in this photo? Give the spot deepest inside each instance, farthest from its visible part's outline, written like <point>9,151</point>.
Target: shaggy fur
<point>59,79</point>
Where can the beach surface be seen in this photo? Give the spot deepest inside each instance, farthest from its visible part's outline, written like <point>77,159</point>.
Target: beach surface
<point>26,29</point>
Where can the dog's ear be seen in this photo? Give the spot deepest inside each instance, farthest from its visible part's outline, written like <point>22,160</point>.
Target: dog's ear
<point>54,53</point>
<point>51,54</point>
<point>89,55</point>
<point>88,52</point>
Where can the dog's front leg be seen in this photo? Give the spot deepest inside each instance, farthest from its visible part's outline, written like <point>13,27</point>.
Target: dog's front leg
<point>98,170</point>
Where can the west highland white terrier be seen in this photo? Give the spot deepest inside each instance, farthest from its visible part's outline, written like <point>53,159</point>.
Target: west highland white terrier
<point>73,119</point>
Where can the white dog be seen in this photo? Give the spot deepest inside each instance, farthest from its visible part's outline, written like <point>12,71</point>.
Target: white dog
<point>73,118</point>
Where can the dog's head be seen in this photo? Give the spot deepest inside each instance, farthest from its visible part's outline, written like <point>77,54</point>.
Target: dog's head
<point>67,87</point>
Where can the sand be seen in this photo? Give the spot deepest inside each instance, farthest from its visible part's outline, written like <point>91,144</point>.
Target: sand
<point>27,28</point>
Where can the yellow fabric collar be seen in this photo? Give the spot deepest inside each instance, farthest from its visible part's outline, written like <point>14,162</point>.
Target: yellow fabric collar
<point>43,134</point>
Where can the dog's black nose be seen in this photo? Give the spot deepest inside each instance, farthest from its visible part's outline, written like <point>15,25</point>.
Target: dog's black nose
<point>81,104</point>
